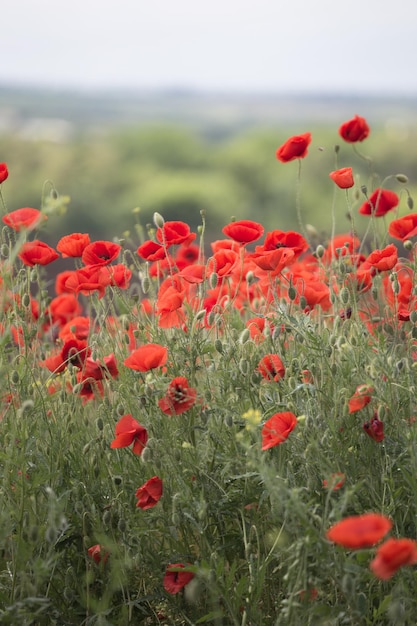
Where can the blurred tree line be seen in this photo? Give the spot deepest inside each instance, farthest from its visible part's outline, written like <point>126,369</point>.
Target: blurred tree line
<point>180,171</point>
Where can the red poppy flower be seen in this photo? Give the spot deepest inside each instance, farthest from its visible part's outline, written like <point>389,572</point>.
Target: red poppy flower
<point>175,233</point>
<point>60,280</point>
<point>75,351</point>
<point>222,263</point>
<point>379,203</point>
<point>289,239</point>
<point>151,251</point>
<point>193,274</point>
<point>4,172</point>
<point>335,482</point>
<point>187,255</point>
<point>63,308</point>
<point>277,429</point>
<point>256,326</point>
<point>393,554</point>
<point>73,245</point>
<point>99,370</point>
<point>374,428</point>
<point>383,260</point>
<point>343,177</point>
<point>149,494</point>
<point>404,227</point>
<point>244,231</point>
<point>116,275</point>
<point>86,280</point>
<point>128,431</point>
<point>359,531</point>
<point>24,218</point>
<point>100,253</point>
<point>147,357</point>
<point>97,553</point>
<point>179,397</point>
<point>175,578</point>
<point>271,367</point>
<point>37,253</point>
<point>294,148</point>
<point>272,261</point>
<point>361,397</point>
<point>354,130</point>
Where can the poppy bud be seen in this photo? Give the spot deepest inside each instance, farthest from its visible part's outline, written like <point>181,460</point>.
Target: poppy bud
<point>146,455</point>
<point>292,294</point>
<point>244,336</point>
<point>344,295</point>
<point>158,220</point>
<point>402,178</point>
<point>219,346</point>
<point>4,250</point>
<point>410,203</point>
<point>213,280</point>
<point>26,300</point>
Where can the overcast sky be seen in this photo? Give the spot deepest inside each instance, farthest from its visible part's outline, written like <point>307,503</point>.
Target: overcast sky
<point>240,45</point>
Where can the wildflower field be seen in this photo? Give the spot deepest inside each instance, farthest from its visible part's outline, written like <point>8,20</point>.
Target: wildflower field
<point>213,432</point>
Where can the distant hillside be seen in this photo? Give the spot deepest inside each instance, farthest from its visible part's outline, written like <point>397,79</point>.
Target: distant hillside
<point>61,113</point>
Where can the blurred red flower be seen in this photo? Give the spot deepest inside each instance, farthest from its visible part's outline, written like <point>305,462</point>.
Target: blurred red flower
<point>343,177</point>
<point>404,227</point>
<point>97,553</point>
<point>361,397</point>
<point>271,367</point>
<point>354,130</point>
<point>244,231</point>
<point>37,253</point>
<point>147,357</point>
<point>294,148</point>
<point>24,218</point>
<point>374,428</point>
<point>149,494</point>
<point>179,397</point>
<point>73,245</point>
<point>335,482</point>
<point>129,431</point>
<point>175,578</point>
<point>277,429</point>
<point>4,172</point>
<point>379,203</point>
<point>359,531</point>
<point>393,554</point>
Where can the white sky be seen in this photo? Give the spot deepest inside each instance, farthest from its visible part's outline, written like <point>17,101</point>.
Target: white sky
<point>251,45</point>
